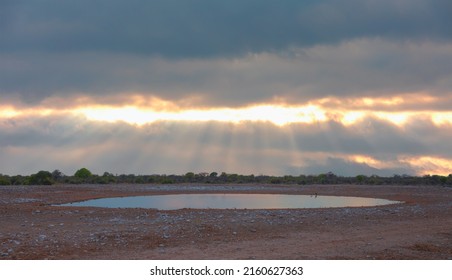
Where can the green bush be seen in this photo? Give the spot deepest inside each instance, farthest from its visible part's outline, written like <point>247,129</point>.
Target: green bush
<point>41,178</point>
<point>83,173</point>
<point>4,181</point>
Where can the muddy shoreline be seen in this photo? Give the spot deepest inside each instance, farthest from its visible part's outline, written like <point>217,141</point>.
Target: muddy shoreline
<point>32,228</point>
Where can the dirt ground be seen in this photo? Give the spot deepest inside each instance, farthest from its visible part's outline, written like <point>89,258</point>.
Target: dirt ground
<point>32,228</point>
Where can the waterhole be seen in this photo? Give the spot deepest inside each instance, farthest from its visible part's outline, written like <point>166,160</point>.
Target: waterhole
<point>231,201</point>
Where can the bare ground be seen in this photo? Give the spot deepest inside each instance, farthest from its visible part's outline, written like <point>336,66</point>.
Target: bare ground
<point>32,228</point>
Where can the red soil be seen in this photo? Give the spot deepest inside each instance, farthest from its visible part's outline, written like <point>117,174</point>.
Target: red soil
<point>31,228</point>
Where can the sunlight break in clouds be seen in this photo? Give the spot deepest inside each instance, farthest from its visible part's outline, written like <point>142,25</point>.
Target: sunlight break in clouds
<point>424,165</point>
<point>347,112</point>
<point>7,112</point>
<point>279,114</point>
<point>430,165</point>
<point>275,114</point>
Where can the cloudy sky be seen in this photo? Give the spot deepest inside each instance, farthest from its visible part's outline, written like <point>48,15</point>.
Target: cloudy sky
<point>240,86</point>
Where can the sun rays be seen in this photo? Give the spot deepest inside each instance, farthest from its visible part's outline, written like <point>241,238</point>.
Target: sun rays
<point>279,114</point>
<point>347,112</point>
<point>257,137</point>
<point>276,114</point>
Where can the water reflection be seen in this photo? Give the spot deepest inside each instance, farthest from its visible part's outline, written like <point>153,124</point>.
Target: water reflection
<point>231,201</point>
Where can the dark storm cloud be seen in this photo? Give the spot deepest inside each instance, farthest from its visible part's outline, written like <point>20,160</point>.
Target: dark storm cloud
<point>198,28</point>
<point>225,52</point>
<point>352,69</point>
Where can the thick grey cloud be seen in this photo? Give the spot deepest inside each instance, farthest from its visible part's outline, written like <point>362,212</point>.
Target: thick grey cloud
<point>352,69</point>
<point>198,28</point>
<point>227,52</point>
<point>67,143</point>
<point>349,168</point>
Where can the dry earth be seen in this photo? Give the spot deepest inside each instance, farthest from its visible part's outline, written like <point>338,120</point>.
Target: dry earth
<point>31,228</point>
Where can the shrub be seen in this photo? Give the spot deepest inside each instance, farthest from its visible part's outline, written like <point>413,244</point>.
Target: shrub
<point>41,178</point>
<point>83,173</point>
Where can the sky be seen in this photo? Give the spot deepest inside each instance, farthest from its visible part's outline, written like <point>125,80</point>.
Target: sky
<point>283,87</point>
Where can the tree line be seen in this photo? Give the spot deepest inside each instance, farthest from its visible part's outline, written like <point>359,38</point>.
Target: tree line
<point>85,176</point>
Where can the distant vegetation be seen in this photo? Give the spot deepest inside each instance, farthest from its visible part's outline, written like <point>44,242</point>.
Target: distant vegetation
<point>84,176</point>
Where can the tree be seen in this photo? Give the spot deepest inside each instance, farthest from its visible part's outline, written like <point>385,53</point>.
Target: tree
<point>41,178</point>
<point>57,174</point>
<point>83,173</point>
<point>107,174</point>
<point>189,176</point>
<point>4,180</point>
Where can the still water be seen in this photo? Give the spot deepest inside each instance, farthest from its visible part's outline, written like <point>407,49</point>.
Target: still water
<point>231,201</point>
